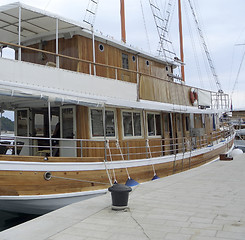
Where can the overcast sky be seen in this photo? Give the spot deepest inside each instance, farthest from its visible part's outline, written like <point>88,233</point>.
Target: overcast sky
<point>222,22</point>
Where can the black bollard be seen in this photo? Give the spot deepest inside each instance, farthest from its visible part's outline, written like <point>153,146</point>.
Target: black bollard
<point>119,195</point>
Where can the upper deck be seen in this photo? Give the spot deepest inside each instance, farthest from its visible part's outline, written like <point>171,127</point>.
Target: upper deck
<point>142,81</point>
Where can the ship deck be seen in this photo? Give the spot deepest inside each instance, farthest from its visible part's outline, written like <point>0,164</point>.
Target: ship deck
<point>202,203</point>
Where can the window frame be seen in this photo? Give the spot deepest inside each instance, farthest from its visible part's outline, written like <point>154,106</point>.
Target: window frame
<point>141,124</point>
<point>155,129</point>
<point>90,123</point>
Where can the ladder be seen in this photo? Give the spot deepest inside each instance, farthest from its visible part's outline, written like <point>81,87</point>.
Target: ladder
<point>162,27</point>
<point>91,12</point>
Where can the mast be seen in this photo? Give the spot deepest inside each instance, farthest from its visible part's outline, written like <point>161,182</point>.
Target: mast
<point>123,31</point>
<point>181,42</point>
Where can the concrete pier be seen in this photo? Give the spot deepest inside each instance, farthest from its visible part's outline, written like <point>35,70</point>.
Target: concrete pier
<point>205,203</point>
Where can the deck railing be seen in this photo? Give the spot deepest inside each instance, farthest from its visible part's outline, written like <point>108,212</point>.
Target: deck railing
<point>110,149</point>
<point>219,100</point>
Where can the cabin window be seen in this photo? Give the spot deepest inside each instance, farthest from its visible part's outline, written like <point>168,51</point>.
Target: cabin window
<point>22,122</point>
<point>167,68</point>
<point>154,124</point>
<point>39,130</point>
<point>147,63</point>
<point>133,58</point>
<point>101,47</point>
<point>131,124</point>
<point>97,123</point>
<point>125,61</point>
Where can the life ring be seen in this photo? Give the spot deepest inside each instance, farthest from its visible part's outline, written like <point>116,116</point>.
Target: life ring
<point>193,97</point>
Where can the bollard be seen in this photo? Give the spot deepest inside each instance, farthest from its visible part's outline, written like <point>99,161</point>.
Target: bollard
<point>119,195</point>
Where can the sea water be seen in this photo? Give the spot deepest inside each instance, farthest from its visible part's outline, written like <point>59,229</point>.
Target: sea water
<point>8,220</point>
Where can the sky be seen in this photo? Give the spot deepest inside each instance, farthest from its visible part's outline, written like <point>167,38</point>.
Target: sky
<point>221,21</point>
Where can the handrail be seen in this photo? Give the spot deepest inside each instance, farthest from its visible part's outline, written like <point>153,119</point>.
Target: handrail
<point>96,147</point>
<point>98,64</point>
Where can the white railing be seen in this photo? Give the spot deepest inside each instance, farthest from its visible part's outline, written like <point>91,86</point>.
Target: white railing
<point>108,149</point>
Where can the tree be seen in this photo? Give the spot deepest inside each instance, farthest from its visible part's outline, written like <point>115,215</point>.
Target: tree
<point>7,124</point>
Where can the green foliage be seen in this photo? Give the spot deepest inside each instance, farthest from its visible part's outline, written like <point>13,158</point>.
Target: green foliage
<point>7,124</point>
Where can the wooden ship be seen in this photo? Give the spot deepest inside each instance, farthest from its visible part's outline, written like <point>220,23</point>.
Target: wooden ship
<point>91,111</point>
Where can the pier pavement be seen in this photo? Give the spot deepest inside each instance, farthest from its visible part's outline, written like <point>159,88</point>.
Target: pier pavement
<point>204,203</point>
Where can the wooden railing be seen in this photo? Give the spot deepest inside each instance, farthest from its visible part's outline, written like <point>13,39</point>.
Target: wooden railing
<point>158,89</point>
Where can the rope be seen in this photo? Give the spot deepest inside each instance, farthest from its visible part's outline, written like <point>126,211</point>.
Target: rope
<point>146,32</point>
<point>238,73</point>
<point>118,147</point>
<point>148,147</point>
<point>79,180</point>
<point>108,147</point>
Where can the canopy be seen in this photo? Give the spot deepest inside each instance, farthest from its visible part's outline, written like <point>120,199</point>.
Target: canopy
<point>34,23</point>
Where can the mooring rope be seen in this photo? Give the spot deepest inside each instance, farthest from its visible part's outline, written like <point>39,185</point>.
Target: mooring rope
<point>148,146</point>
<point>118,147</point>
<point>108,147</point>
<point>79,180</point>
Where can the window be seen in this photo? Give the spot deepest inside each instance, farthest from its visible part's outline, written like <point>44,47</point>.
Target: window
<point>147,63</point>
<point>22,123</point>
<point>125,61</point>
<point>133,58</point>
<point>131,124</point>
<point>154,124</point>
<point>97,123</point>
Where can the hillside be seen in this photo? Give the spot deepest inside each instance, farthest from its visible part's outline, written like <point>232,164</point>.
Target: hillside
<point>7,124</point>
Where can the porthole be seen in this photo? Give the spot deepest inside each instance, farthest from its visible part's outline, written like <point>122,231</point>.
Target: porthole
<point>101,47</point>
<point>133,58</point>
<point>147,63</point>
<point>47,176</point>
<point>166,68</point>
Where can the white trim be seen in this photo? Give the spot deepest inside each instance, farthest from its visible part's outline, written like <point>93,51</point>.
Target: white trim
<point>93,166</point>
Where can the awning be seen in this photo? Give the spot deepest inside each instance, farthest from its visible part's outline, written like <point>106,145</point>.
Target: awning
<point>34,23</point>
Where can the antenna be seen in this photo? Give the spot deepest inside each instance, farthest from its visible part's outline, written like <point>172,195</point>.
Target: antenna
<point>91,12</point>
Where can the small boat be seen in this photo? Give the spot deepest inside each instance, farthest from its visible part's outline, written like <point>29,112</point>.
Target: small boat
<point>91,111</point>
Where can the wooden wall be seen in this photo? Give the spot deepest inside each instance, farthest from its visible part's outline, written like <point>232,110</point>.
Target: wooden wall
<point>163,91</point>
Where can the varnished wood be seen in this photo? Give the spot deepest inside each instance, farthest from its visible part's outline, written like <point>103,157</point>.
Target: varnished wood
<point>33,183</point>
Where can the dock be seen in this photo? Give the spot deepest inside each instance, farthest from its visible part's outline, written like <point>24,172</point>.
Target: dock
<point>204,203</point>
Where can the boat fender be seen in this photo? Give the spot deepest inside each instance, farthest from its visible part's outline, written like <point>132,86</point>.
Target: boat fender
<point>193,96</point>
<point>155,177</point>
<point>236,152</point>
<point>131,182</point>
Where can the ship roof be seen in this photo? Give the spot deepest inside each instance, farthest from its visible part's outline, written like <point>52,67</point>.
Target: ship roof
<point>39,25</point>
<point>34,22</point>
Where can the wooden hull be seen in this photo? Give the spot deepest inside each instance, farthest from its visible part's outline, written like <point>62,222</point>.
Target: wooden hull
<point>23,185</point>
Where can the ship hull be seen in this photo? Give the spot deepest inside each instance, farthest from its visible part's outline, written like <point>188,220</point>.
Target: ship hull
<point>32,194</point>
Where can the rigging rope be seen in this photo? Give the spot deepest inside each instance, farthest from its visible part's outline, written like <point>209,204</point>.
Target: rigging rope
<point>147,36</point>
<point>194,46</point>
<point>238,73</point>
<point>218,84</point>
